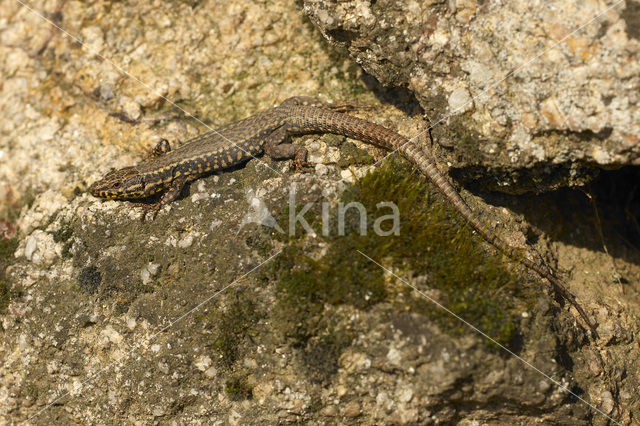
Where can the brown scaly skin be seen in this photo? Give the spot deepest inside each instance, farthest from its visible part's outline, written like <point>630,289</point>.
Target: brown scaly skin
<point>269,132</point>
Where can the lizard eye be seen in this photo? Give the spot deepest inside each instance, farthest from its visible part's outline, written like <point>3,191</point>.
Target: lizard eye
<point>116,185</point>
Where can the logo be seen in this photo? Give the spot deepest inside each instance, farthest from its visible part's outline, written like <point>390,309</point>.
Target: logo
<point>386,222</point>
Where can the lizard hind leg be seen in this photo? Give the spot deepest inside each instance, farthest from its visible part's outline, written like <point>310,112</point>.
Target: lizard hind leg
<point>279,147</point>
<point>304,101</point>
<point>316,103</point>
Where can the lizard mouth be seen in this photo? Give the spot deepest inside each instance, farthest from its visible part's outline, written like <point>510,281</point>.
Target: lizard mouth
<point>101,190</point>
<point>94,190</point>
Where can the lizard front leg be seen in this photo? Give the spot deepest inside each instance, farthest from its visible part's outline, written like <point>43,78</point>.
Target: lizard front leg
<point>170,195</point>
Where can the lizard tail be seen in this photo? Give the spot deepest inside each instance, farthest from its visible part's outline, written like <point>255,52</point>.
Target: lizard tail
<point>530,259</point>
<point>323,120</point>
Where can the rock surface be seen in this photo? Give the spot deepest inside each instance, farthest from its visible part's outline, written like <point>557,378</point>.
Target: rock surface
<point>524,96</point>
<point>106,319</point>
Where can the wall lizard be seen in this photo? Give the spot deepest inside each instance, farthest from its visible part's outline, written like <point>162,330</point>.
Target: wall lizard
<point>269,132</point>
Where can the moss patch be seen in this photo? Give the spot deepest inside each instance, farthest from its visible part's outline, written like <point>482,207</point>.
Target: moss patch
<point>7,248</point>
<point>433,243</point>
<point>63,235</point>
<point>89,279</point>
<point>351,155</point>
<point>238,388</point>
<point>234,325</point>
<point>6,294</point>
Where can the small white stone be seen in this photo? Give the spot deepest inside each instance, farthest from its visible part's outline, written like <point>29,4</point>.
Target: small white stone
<point>30,247</point>
<point>439,37</point>
<point>608,403</point>
<point>544,386</point>
<point>148,272</point>
<point>405,395</point>
<point>600,155</point>
<point>171,241</point>
<point>460,101</point>
<point>394,356</point>
<point>145,276</point>
<point>112,335</point>
<point>321,169</point>
<point>333,154</point>
<point>347,176</point>
<point>199,196</point>
<point>153,268</point>
<point>93,39</point>
<point>131,323</point>
<point>341,391</point>
<point>479,74</point>
<point>250,363</point>
<point>210,372</point>
<point>130,108</point>
<point>186,241</point>
<point>163,367</point>
<point>203,362</point>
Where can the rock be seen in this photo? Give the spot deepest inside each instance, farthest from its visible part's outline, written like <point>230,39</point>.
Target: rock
<point>352,409</point>
<point>484,74</point>
<point>186,319</point>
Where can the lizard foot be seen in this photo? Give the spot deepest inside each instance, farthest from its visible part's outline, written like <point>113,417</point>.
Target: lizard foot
<point>303,166</point>
<point>153,208</point>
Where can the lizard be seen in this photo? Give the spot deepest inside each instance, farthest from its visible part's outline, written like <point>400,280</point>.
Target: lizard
<point>269,132</point>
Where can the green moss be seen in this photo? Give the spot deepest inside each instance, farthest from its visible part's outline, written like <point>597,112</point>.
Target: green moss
<point>242,75</point>
<point>351,155</point>
<point>4,297</point>
<point>333,140</point>
<point>7,248</point>
<point>63,234</point>
<point>66,250</point>
<point>121,306</point>
<point>433,242</point>
<point>89,279</point>
<point>307,284</point>
<point>234,325</point>
<point>6,294</point>
<point>320,353</point>
<point>260,242</point>
<point>238,388</point>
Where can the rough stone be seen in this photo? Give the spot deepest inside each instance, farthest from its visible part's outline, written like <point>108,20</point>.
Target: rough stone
<point>562,76</point>
<point>105,319</point>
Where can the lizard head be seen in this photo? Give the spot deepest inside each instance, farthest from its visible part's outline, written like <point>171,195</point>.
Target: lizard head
<point>119,184</point>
